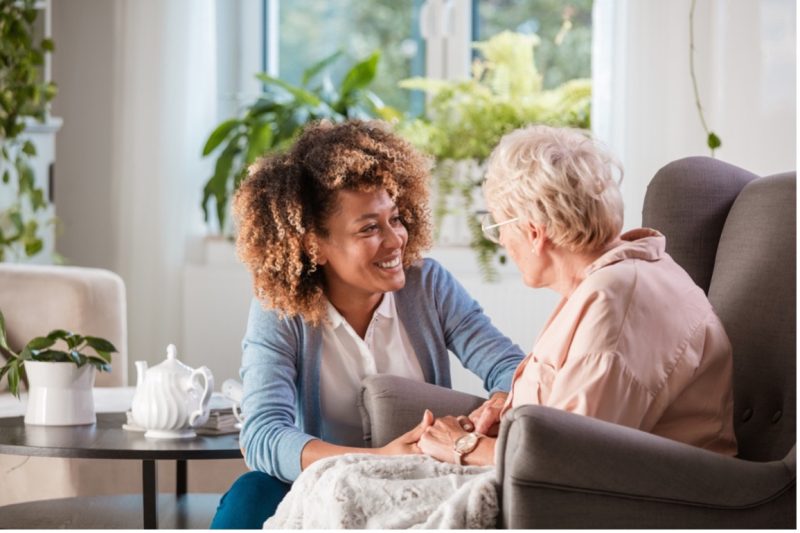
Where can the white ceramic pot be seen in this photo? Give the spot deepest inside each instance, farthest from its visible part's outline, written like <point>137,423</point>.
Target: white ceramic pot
<point>60,394</point>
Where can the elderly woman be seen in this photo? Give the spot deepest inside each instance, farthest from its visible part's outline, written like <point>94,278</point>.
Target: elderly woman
<point>333,232</point>
<point>633,341</point>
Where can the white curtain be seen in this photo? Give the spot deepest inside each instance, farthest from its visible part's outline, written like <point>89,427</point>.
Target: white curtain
<point>166,99</point>
<point>643,102</point>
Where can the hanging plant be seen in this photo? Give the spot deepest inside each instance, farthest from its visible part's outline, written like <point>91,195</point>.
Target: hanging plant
<point>23,97</point>
<point>712,139</point>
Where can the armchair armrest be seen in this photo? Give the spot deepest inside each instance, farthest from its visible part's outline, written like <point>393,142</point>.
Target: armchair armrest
<point>392,405</point>
<point>559,469</point>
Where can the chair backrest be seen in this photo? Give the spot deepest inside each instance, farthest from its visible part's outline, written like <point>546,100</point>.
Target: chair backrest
<point>36,299</point>
<point>688,201</point>
<point>735,235</point>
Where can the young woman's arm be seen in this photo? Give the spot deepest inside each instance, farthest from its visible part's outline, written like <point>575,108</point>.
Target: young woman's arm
<point>405,444</point>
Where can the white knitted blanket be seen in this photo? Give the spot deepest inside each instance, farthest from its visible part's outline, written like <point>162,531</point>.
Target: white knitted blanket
<point>373,492</point>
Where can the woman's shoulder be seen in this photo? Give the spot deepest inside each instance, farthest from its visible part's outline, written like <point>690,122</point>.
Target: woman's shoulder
<point>264,319</point>
<point>426,275</point>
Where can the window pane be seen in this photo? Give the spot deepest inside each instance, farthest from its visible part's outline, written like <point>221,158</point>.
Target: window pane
<point>310,30</point>
<point>565,30</point>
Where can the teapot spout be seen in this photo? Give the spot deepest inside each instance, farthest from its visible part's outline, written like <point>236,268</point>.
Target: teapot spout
<point>141,368</point>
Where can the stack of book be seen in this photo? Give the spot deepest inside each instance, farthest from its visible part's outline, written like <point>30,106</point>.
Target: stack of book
<point>221,419</point>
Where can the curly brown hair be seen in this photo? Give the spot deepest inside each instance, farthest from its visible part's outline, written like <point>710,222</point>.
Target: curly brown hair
<point>288,197</point>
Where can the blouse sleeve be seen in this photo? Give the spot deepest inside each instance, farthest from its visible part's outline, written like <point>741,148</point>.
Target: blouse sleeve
<point>271,441</point>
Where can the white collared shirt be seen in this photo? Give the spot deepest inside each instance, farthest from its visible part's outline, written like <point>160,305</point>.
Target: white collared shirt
<point>347,359</point>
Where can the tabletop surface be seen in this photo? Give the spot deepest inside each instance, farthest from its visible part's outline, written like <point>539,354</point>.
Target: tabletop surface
<point>107,440</point>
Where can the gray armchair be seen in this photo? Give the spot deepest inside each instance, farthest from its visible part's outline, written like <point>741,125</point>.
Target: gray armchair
<point>735,235</point>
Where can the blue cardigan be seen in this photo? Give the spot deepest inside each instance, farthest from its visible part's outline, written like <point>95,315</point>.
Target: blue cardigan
<point>281,361</point>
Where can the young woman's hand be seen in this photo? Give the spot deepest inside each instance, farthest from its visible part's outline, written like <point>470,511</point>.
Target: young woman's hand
<point>486,418</point>
<point>407,443</point>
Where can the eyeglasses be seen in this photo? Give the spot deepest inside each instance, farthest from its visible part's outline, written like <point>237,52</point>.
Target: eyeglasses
<point>491,228</point>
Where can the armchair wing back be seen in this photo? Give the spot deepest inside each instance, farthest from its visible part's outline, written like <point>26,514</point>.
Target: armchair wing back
<point>735,235</point>
<point>753,292</point>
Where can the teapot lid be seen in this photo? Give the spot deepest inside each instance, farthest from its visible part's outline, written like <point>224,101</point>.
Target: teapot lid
<point>171,365</point>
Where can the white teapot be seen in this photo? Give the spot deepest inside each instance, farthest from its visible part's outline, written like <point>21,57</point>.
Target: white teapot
<point>171,398</point>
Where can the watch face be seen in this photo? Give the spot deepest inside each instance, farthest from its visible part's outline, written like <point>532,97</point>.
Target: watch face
<point>466,443</point>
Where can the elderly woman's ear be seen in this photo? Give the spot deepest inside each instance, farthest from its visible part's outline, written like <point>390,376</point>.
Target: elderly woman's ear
<point>536,236</point>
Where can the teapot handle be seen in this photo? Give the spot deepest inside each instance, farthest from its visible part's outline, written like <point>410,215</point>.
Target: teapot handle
<point>207,379</point>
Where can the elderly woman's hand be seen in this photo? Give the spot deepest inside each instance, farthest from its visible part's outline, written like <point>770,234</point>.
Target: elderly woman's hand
<point>486,418</point>
<point>438,440</point>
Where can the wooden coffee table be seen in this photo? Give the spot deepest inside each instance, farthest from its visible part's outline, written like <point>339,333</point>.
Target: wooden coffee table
<point>107,440</point>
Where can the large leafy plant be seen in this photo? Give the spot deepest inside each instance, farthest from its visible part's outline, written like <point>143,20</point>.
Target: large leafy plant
<point>23,97</point>
<point>276,117</point>
<point>466,119</point>
<point>42,349</point>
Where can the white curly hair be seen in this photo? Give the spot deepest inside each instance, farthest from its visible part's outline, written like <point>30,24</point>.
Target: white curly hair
<point>561,178</point>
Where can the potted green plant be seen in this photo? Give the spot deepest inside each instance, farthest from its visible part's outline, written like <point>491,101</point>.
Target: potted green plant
<point>274,119</point>
<point>24,97</point>
<point>466,119</point>
<point>60,380</point>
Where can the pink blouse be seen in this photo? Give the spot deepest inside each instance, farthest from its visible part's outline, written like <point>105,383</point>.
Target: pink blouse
<point>637,343</point>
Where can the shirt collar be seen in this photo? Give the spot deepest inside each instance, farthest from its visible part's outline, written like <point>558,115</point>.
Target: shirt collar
<point>643,243</point>
<point>385,309</point>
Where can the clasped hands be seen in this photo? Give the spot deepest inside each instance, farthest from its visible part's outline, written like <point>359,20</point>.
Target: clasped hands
<point>436,437</point>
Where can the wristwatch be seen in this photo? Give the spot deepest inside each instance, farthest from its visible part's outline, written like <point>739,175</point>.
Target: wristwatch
<point>464,445</point>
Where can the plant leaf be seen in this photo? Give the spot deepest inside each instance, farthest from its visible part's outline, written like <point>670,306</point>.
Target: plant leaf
<point>13,378</point>
<point>40,343</point>
<point>3,338</point>
<point>220,134</point>
<point>73,340</point>
<point>99,364</point>
<point>258,141</point>
<point>59,334</point>
<point>301,95</point>
<point>54,356</point>
<point>316,68</point>
<point>714,142</point>
<point>29,148</point>
<point>4,370</point>
<point>360,76</point>
<point>100,344</point>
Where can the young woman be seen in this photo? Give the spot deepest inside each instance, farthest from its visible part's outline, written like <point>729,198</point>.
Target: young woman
<point>333,233</point>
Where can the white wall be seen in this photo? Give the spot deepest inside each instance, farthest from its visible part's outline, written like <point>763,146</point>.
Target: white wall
<point>138,97</point>
<point>745,64</point>
<point>84,33</point>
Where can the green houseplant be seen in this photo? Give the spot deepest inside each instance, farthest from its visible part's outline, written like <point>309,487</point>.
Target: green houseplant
<point>274,119</point>
<point>23,97</point>
<point>42,349</point>
<point>466,119</point>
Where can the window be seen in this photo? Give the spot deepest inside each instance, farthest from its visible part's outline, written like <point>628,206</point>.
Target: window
<point>422,37</point>
<point>310,30</point>
<point>565,30</point>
